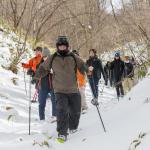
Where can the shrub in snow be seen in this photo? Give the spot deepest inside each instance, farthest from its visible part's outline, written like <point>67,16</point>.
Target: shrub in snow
<point>13,50</point>
<point>135,143</point>
<point>14,80</point>
<point>42,144</point>
<point>12,114</point>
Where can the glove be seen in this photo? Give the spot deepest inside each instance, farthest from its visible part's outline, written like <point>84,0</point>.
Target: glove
<point>22,64</point>
<point>95,102</point>
<point>30,72</point>
<point>33,81</point>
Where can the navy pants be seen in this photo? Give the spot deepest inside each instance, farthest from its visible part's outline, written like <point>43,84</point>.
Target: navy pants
<point>94,86</point>
<point>42,96</point>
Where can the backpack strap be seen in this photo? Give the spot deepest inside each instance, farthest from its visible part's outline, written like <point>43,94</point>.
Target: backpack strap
<point>54,55</point>
<point>73,56</point>
<point>70,54</point>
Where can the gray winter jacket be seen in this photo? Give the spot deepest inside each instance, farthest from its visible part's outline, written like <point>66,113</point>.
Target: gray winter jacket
<point>64,78</point>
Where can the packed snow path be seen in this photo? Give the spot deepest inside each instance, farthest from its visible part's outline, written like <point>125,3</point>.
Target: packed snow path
<point>124,120</point>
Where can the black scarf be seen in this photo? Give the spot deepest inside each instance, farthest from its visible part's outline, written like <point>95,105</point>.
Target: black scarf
<point>63,53</point>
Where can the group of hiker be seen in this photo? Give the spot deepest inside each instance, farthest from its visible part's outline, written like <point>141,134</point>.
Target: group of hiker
<point>63,75</point>
<point>119,73</point>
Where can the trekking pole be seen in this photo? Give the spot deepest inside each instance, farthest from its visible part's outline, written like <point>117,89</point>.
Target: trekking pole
<point>25,81</point>
<point>96,104</point>
<point>122,80</point>
<point>30,106</point>
<point>34,99</point>
<point>100,118</point>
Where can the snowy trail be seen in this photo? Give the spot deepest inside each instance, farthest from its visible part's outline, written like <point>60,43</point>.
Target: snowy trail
<point>18,126</point>
<point>123,120</point>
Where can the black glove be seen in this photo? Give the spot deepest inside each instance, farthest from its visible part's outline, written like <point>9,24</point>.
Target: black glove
<point>33,81</point>
<point>22,64</point>
<point>95,102</point>
<point>30,72</point>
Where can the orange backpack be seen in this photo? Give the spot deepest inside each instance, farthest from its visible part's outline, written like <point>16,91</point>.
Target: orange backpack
<point>81,79</point>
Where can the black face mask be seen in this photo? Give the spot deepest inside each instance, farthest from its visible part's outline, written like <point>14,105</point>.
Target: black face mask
<point>63,53</point>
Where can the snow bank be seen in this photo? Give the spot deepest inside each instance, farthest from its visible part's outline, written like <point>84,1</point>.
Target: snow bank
<point>9,43</point>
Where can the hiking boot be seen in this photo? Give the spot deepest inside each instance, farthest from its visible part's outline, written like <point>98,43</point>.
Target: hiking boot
<point>73,131</point>
<point>84,111</point>
<point>61,138</point>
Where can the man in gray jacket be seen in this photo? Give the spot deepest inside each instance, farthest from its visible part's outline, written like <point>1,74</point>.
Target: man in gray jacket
<point>64,65</point>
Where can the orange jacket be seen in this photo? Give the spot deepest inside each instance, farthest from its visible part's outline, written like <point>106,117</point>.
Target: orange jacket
<point>81,79</point>
<point>33,62</point>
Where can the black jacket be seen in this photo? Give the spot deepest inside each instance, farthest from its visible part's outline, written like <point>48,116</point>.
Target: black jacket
<point>97,65</point>
<point>128,71</point>
<point>108,72</point>
<point>44,83</point>
<point>117,67</point>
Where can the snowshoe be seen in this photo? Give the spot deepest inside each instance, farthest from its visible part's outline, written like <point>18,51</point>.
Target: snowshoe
<point>84,111</point>
<point>61,139</point>
<point>73,131</point>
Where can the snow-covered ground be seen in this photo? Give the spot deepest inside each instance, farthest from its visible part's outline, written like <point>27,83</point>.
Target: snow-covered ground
<point>124,120</point>
<point>127,121</point>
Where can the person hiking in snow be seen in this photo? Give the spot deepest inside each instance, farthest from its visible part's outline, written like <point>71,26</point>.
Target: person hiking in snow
<point>117,67</point>
<point>132,61</point>
<point>135,64</point>
<point>128,74</point>
<point>108,74</point>
<point>45,88</point>
<point>33,62</point>
<point>64,65</point>
<point>95,70</point>
<point>81,84</point>
<point>129,70</point>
